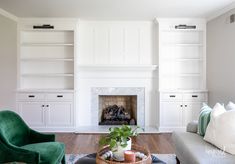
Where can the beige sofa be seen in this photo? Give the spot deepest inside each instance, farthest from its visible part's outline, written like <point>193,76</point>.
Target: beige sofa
<point>190,148</point>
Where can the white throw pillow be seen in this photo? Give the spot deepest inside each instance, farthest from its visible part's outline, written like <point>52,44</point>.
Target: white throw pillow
<point>221,129</point>
<point>230,106</point>
<point>218,109</point>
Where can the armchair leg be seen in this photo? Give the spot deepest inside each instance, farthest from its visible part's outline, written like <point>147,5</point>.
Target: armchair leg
<point>63,160</point>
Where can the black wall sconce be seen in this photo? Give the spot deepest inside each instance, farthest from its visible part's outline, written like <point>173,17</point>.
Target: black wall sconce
<point>184,26</point>
<point>44,26</point>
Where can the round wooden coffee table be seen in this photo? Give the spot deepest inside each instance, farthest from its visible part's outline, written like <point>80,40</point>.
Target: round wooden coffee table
<point>134,148</point>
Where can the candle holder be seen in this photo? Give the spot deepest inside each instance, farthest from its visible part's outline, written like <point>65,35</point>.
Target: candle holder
<point>129,156</point>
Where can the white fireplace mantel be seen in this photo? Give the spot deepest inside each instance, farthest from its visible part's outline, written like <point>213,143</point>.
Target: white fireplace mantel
<point>110,67</point>
<point>116,71</point>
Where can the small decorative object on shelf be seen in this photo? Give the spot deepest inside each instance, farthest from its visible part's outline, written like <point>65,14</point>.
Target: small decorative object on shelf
<point>129,156</point>
<point>44,26</point>
<point>184,26</point>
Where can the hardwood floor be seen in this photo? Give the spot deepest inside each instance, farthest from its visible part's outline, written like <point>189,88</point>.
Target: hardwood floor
<point>88,143</point>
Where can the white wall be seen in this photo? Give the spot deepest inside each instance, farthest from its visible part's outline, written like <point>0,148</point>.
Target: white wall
<point>8,58</point>
<point>221,59</point>
<point>117,42</point>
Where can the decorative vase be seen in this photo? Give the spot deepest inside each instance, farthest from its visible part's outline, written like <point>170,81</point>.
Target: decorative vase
<point>118,154</point>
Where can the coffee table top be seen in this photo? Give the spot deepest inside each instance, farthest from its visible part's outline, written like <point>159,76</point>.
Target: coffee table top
<point>135,148</point>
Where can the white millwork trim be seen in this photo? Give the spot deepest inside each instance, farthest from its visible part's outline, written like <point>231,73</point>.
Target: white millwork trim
<point>221,11</point>
<point>118,67</point>
<point>8,15</point>
<point>104,129</point>
<point>54,129</point>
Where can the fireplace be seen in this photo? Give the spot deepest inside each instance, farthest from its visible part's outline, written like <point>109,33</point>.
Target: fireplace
<point>132,99</point>
<point>117,110</point>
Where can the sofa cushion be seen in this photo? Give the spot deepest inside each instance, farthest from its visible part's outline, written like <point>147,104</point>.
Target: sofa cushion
<point>230,106</point>
<point>49,151</point>
<point>221,129</point>
<point>192,127</point>
<point>204,119</point>
<point>191,148</point>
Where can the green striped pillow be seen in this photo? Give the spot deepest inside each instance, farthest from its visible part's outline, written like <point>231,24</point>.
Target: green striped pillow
<point>204,119</point>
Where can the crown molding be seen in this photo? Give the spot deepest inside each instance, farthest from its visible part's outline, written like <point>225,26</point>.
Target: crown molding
<point>221,11</point>
<point>8,15</point>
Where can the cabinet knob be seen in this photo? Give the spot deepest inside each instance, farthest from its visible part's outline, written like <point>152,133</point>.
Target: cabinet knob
<point>181,105</point>
<point>47,105</point>
<point>185,105</point>
<point>43,105</point>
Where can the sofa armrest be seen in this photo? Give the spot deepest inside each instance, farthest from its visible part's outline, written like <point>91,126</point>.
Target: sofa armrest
<point>36,137</point>
<point>192,127</point>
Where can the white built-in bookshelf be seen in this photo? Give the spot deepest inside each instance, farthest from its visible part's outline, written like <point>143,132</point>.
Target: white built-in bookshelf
<point>46,73</point>
<point>182,59</point>
<point>46,59</point>
<point>182,71</point>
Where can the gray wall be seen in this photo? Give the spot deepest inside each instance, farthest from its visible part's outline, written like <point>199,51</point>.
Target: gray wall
<point>8,66</point>
<point>221,59</point>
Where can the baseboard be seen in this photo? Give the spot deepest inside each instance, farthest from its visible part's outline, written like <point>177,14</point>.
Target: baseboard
<point>55,129</point>
<point>105,129</point>
<point>171,129</point>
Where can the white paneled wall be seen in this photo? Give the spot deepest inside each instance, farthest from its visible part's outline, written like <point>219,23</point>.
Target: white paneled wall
<point>116,42</point>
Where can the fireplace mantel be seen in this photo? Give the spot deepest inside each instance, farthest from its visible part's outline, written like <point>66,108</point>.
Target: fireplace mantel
<point>101,67</point>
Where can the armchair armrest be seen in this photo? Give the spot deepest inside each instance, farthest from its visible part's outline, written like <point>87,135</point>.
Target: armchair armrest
<point>192,127</point>
<point>36,137</point>
<point>11,153</point>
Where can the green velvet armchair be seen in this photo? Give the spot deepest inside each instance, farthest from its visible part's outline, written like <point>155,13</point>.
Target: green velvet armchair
<point>19,143</point>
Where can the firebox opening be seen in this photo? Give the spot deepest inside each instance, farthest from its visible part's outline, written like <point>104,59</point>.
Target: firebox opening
<point>117,110</point>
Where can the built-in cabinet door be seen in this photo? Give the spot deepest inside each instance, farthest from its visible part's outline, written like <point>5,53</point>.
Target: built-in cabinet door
<point>171,114</point>
<point>33,113</point>
<point>191,112</point>
<point>59,114</point>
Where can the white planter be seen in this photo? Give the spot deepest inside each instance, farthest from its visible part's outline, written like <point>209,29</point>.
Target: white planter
<point>119,154</point>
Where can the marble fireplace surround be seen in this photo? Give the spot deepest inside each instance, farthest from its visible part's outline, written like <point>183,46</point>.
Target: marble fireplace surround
<point>108,91</point>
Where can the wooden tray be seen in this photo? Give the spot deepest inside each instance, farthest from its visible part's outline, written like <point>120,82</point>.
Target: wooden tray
<point>136,148</point>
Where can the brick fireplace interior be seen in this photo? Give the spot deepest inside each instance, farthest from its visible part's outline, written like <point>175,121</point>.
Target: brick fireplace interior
<point>117,109</point>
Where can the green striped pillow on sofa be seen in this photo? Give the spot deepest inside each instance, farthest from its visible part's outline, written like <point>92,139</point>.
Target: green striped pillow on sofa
<point>204,119</point>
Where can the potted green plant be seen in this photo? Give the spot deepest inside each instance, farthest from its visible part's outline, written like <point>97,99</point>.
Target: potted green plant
<point>119,140</point>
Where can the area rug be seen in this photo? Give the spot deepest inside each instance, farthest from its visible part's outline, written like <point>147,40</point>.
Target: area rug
<point>167,158</point>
